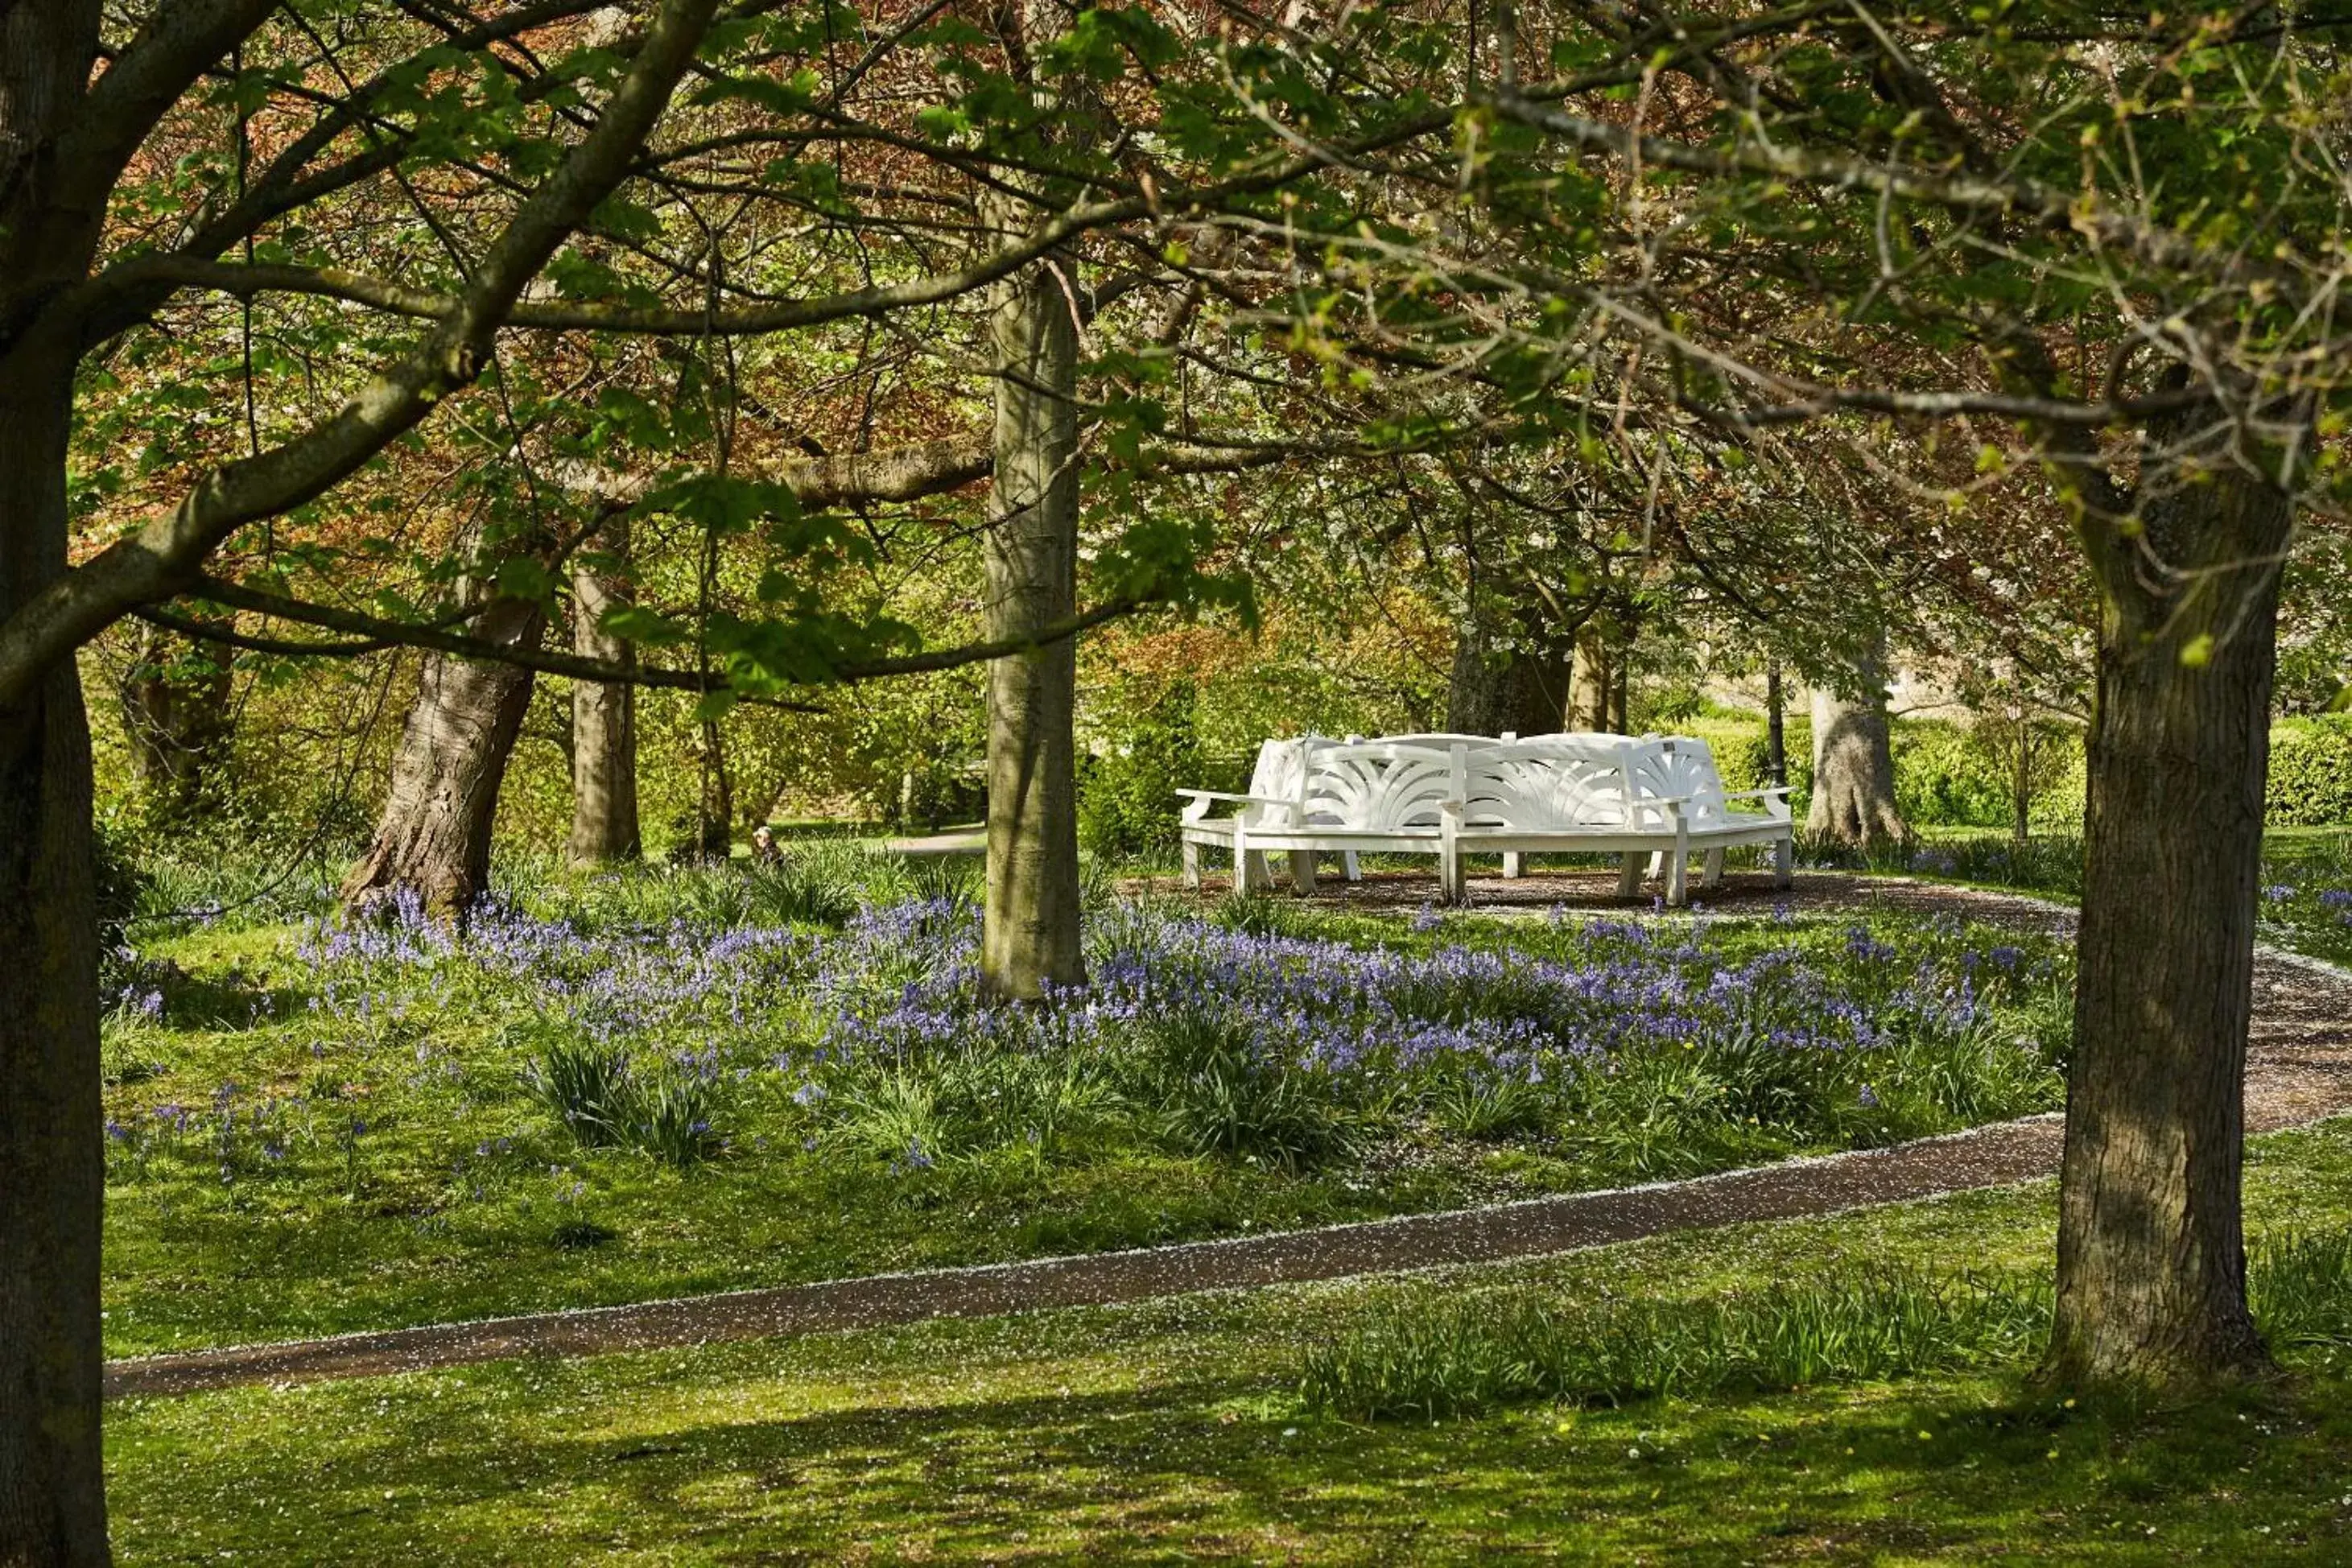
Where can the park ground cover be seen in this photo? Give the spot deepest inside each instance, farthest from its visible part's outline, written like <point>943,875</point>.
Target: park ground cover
<point>2307,892</point>
<point>1178,1430</point>
<point>660,1085</point>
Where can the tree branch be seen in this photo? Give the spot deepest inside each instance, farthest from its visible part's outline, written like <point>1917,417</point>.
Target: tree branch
<point>159,559</point>
<point>375,632</point>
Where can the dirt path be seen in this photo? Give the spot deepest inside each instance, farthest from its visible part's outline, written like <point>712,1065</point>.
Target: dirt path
<point>2300,1070</point>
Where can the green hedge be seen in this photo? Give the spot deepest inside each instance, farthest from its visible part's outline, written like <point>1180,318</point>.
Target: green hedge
<point>2311,773</point>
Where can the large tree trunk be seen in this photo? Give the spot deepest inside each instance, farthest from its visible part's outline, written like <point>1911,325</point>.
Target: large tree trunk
<point>52,1172</point>
<point>2151,1253</point>
<point>1489,692</point>
<point>434,838</point>
<point>604,824</point>
<point>1029,940</point>
<point>52,1179</point>
<point>1853,760</point>
<point>176,715</point>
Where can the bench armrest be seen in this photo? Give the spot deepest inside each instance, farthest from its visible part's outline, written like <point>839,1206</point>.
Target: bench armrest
<point>1202,799</point>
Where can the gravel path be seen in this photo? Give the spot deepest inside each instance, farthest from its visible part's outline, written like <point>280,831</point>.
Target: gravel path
<point>2300,1069</point>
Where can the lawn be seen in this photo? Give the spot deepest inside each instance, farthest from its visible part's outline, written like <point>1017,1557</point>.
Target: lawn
<point>654,1086</point>
<point>2306,897</point>
<point>1174,1432</point>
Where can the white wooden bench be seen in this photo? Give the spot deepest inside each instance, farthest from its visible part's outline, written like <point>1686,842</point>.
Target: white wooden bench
<point>1653,800</point>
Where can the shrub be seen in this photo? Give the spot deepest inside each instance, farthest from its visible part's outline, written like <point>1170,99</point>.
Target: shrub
<point>1127,794</point>
<point>2311,773</point>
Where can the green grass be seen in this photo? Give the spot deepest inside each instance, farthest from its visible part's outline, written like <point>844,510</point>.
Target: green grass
<point>1174,1432</point>
<point>2306,905</point>
<point>405,1155</point>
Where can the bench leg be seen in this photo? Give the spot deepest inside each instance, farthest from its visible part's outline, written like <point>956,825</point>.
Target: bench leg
<point>1348,859</point>
<point>1511,864</point>
<point>1629,874</point>
<point>1453,886</point>
<point>1713,876</point>
<point>1302,871</point>
<point>1192,867</point>
<point>1784,862</point>
<point>1677,880</point>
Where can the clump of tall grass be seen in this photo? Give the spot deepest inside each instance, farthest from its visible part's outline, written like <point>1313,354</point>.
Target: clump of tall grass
<point>1427,1355</point>
<point>600,1096</point>
<point>1423,1353</point>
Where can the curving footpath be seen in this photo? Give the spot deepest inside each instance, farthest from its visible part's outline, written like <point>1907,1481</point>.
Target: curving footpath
<point>2299,1070</point>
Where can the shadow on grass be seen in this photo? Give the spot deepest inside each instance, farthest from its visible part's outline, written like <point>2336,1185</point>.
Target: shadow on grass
<point>676,1460</point>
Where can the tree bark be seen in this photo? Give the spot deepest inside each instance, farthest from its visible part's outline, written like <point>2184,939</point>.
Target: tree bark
<point>2020,782</point>
<point>2151,1250</point>
<point>604,822</point>
<point>1522,691</point>
<point>1029,941</point>
<point>1776,726</point>
<point>1592,684</point>
<point>52,1177</point>
<point>52,1146</point>
<point>434,838</point>
<point>176,716</point>
<point>1853,760</point>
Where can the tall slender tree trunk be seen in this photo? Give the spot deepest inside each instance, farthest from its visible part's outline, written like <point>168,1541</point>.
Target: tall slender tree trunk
<point>1591,685</point>
<point>1854,760</point>
<point>604,821</point>
<point>1776,726</point>
<point>1030,937</point>
<point>2151,1250</point>
<point>2021,782</point>
<point>176,716</point>
<point>1029,940</point>
<point>434,838</point>
<point>52,1178</point>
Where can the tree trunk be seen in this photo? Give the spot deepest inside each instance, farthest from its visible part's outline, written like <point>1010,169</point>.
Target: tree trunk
<point>1030,934</point>
<point>714,818</point>
<point>2021,784</point>
<point>176,716</point>
<point>2151,1252</point>
<point>1853,762</point>
<point>434,838</point>
<point>1524,692</point>
<point>1591,685</point>
<point>1776,726</point>
<point>52,1176</point>
<point>605,826</point>
<point>52,1143</point>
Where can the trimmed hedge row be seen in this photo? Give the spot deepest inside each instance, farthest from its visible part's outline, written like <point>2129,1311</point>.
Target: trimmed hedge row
<point>2311,772</point>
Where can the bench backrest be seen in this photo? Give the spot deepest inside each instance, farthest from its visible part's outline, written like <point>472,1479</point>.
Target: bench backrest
<point>1546,782</point>
<point>1554,782</point>
<point>1378,785</point>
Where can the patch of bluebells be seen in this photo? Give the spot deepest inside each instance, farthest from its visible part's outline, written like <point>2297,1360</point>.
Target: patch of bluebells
<point>896,987</point>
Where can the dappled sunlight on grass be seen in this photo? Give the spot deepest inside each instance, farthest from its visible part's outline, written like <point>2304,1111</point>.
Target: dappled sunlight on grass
<point>1171,1431</point>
